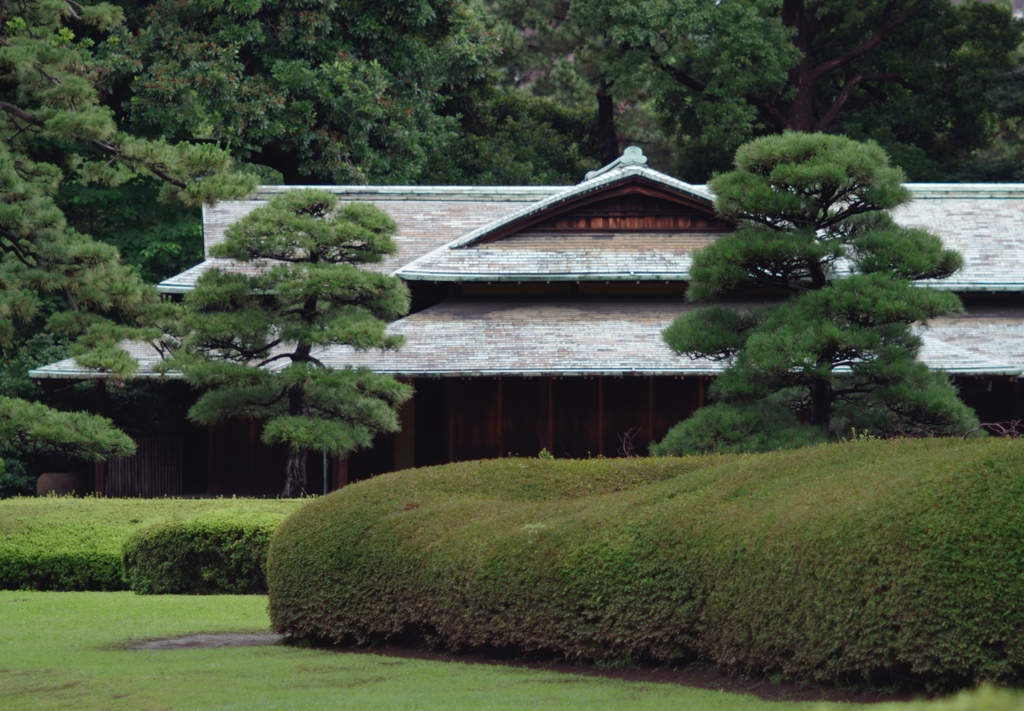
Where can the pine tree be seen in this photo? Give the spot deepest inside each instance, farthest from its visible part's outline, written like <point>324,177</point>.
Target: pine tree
<point>253,339</point>
<point>55,129</point>
<point>840,353</point>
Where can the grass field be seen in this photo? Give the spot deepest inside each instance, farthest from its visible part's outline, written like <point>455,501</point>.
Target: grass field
<point>67,651</point>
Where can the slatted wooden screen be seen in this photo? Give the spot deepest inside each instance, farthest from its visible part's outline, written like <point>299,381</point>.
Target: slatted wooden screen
<point>154,470</point>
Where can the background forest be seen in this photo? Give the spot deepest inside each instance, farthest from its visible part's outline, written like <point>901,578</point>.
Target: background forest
<point>450,92</point>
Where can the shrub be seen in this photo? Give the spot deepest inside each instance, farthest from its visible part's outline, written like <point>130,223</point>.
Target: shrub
<point>14,481</point>
<point>873,561</point>
<point>67,543</point>
<point>225,553</point>
<point>722,429</point>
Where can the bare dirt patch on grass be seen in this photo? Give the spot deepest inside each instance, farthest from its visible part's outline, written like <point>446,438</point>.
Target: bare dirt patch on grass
<point>208,641</point>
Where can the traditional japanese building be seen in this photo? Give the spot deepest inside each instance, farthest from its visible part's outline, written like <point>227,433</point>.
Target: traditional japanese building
<point>537,318</point>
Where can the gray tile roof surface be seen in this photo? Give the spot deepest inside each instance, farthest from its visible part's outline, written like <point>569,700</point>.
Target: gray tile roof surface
<point>986,225</point>
<point>466,338</point>
<point>619,338</point>
<point>427,218</point>
<point>622,256</point>
<point>605,179</point>
<point>143,352</point>
<point>985,222</point>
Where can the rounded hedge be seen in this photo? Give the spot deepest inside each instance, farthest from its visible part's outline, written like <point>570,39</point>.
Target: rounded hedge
<point>874,562</point>
<point>214,554</point>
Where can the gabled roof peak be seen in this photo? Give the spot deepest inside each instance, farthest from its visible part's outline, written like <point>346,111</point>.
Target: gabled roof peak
<point>629,166</point>
<point>631,156</point>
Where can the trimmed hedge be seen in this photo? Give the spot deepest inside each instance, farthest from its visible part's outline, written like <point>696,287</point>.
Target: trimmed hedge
<point>68,543</point>
<point>225,553</point>
<point>863,562</point>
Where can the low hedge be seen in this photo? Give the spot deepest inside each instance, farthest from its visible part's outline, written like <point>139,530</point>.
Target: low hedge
<point>67,543</point>
<point>208,555</point>
<point>898,562</point>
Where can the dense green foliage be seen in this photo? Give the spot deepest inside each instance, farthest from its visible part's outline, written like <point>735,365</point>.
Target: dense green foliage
<point>511,138</point>
<point>878,561</point>
<point>70,543</point>
<point>566,51</point>
<point>308,293</point>
<point>160,239</point>
<point>55,130</point>
<point>212,554</point>
<point>930,80</point>
<point>730,430</point>
<point>813,221</point>
<point>344,92</point>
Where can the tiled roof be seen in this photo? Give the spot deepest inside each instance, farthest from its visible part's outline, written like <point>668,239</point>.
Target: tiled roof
<point>426,217</point>
<point>505,338</point>
<point>598,337</point>
<point>600,257</point>
<point>145,354</point>
<point>991,333</point>
<point>622,338</point>
<point>985,223</point>
<point>618,175</point>
<point>663,257</point>
<point>441,228</point>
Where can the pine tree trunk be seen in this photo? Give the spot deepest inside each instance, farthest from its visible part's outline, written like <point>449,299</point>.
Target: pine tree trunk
<point>295,469</point>
<point>606,135</point>
<point>295,474</point>
<point>822,399</point>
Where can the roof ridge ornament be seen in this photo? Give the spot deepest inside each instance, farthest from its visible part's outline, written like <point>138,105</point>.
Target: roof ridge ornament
<point>633,155</point>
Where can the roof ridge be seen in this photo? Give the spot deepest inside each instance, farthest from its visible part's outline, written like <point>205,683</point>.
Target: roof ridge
<point>623,171</point>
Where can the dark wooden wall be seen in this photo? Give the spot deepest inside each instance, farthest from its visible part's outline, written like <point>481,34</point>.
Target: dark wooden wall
<point>239,463</point>
<point>461,419</point>
<point>154,470</point>
<point>994,399</point>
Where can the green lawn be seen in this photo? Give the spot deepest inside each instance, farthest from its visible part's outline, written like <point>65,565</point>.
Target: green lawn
<point>65,651</point>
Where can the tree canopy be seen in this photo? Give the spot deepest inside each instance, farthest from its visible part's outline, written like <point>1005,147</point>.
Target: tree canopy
<point>341,92</point>
<point>54,130</point>
<point>839,355</point>
<point>927,79</point>
<point>915,75</point>
<point>253,340</point>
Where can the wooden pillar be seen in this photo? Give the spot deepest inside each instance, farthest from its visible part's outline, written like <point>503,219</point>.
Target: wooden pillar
<point>1016,398</point>
<point>252,450</point>
<point>700,397</point>
<point>340,473</point>
<point>100,470</point>
<point>650,408</point>
<point>210,440</point>
<point>600,415</point>
<point>501,429</point>
<point>403,451</point>
<point>551,415</point>
<point>451,420</point>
